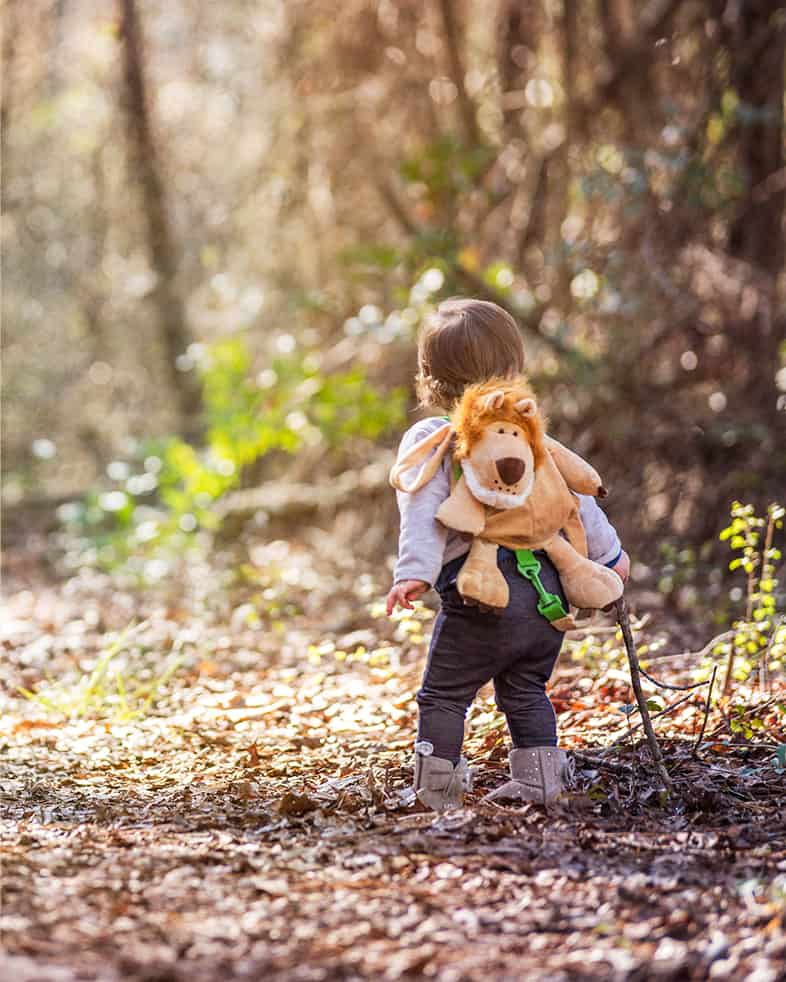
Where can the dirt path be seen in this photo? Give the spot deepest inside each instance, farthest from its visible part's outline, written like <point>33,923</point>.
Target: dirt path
<point>247,824</point>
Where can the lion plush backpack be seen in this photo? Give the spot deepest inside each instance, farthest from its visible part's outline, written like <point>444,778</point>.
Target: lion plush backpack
<point>516,487</point>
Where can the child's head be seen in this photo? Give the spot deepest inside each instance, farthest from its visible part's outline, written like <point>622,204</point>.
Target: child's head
<point>464,342</point>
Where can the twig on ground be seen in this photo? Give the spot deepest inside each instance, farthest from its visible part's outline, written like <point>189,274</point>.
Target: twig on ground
<point>718,639</point>
<point>606,629</point>
<point>632,729</point>
<point>599,762</point>
<point>707,704</point>
<point>669,685</point>
<point>759,745</point>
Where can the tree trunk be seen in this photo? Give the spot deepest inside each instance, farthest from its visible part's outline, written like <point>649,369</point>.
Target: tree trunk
<point>10,28</point>
<point>469,123</point>
<point>521,25</point>
<point>757,49</point>
<point>756,42</point>
<point>171,311</point>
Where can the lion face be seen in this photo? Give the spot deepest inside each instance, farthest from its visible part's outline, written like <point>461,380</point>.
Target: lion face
<point>499,441</point>
<point>500,469</point>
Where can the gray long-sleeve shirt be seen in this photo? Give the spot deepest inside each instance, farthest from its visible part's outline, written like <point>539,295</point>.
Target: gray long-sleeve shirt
<point>425,545</point>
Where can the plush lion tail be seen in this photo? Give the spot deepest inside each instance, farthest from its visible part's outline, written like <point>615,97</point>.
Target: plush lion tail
<point>439,439</point>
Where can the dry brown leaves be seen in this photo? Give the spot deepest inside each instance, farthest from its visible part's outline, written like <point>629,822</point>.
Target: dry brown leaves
<point>248,825</point>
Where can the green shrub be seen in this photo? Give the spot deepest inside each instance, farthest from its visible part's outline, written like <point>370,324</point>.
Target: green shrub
<point>168,491</point>
<point>759,639</point>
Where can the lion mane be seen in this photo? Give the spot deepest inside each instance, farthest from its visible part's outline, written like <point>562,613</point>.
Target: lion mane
<point>477,410</point>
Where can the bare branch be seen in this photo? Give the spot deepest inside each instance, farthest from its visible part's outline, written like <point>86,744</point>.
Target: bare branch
<point>395,205</point>
<point>171,309</point>
<point>529,320</point>
<point>633,58</point>
<point>457,73</point>
<point>707,705</point>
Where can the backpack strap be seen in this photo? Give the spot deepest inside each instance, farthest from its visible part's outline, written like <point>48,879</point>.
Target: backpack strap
<point>550,605</point>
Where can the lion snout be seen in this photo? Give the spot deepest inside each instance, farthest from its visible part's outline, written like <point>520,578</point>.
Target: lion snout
<point>510,469</point>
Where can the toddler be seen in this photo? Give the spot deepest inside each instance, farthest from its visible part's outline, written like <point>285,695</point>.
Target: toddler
<point>464,342</point>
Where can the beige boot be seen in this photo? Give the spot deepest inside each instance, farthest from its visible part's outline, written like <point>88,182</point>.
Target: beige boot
<point>538,774</point>
<point>438,784</point>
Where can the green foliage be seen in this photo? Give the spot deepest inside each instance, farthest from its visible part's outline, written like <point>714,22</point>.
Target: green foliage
<point>124,683</point>
<point>759,640</point>
<point>445,168</point>
<point>371,257</point>
<point>169,491</point>
<point>437,175</point>
<point>745,723</point>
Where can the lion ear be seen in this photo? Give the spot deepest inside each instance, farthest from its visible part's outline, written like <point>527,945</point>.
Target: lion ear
<point>436,445</point>
<point>494,400</point>
<point>526,407</point>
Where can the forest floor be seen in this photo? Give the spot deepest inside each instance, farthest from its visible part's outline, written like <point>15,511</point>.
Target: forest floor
<point>208,785</point>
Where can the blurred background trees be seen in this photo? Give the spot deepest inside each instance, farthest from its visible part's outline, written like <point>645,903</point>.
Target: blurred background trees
<point>223,224</point>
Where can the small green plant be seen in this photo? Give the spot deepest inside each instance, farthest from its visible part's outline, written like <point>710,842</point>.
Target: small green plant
<point>445,168</point>
<point>759,640</point>
<point>121,686</point>
<point>169,489</point>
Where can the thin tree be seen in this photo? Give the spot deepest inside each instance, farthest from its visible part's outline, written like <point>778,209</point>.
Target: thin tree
<point>145,162</point>
<point>757,46</point>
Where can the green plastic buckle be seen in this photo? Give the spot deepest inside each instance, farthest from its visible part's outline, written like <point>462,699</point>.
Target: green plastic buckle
<point>549,604</point>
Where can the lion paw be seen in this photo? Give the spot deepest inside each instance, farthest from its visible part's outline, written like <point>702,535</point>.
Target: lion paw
<point>487,589</point>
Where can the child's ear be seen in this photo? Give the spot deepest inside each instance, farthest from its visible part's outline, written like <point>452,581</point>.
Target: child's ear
<point>526,407</point>
<point>493,400</point>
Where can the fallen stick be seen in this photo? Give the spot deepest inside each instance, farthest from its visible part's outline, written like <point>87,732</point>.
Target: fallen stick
<point>635,676</point>
<point>599,762</point>
<point>669,685</point>
<point>573,634</point>
<point>633,729</point>
<point>707,706</point>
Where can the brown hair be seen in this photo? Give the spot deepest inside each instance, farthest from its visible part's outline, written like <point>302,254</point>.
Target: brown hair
<point>463,342</point>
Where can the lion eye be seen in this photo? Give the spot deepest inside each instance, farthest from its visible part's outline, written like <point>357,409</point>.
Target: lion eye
<point>500,431</point>
<point>515,433</point>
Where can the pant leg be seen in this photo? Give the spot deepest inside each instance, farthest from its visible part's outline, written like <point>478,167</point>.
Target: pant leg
<point>521,695</point>
<point>517,648</point>
<point>465,653</point>
<point>520,686</point>
<point>452,678</point>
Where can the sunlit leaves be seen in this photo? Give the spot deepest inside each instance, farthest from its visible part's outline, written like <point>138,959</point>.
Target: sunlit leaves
<point>585,285</point>
<point>500,276</point>
<point>759,641</point>
<point>445,167</point>
<point>123,684</point>
<point>288,405</point>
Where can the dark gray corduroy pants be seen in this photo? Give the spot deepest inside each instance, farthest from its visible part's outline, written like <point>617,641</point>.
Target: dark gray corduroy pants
<point>517,649</point>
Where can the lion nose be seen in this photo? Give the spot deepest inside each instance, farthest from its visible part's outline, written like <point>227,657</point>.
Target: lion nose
<point>510,469</point>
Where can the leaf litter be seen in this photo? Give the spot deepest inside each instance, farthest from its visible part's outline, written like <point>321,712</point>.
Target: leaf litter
<point>235,806</point>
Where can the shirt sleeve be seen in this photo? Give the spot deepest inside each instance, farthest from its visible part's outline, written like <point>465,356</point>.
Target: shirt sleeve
<point>603,543</point>
<point>421,543</point>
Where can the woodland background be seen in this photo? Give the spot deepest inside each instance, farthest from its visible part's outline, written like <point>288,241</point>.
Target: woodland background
<point>222,227</point>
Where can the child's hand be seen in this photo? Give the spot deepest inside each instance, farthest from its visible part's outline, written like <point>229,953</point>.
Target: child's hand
<point>404,593</point>
<point>622,566</point>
